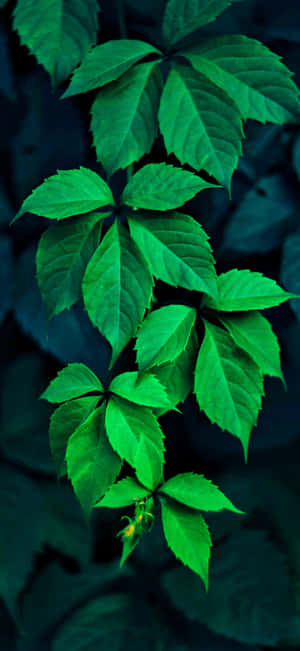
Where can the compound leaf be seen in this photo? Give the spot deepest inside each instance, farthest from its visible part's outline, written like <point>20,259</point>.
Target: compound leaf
<point>64,421</point>
<point>124,493</point>
<point>143,390</point>
<point>252,75</point>
<point>177,250</point>
<point>68,193</point>
<point>200,124</point>
<point>92,464</point>
<point>106,63</point>
<point>188,537</point>
<point>135,434</point>
<point>163,335</point>
<point>197,492</point>
<point>71,382</point>
<point>254,334</point>
<point>117,288</point>
<point>160,186</point>
<point>62,256</point>
<point>182,17</point>
<point>124,117</point>
<point>58,33</point>
<point>243,289</point>
<point>228,384</point>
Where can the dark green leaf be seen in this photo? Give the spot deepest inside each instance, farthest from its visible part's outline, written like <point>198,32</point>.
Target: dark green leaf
<point>160,186</point>
<point>71,382</point>
<point>163,335</point>
<point>62,256</point>
<point>290,267</point>
<point>117,288</point>
<point>145,390</point>
<point>241,290</point>
<point>106,63</point>
<point>124,117</point>
<point>124,493</point>
<point>197,492</point>
<point>182,17</point>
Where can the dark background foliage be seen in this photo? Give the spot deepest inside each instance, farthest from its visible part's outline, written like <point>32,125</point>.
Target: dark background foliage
<point>51,567</point>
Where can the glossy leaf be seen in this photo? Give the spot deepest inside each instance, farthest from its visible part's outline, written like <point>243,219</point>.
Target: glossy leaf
<point>163,335</point>
<point>62,256</point>
<point>228,384</point>
<point>117,288</point>
<point>68,193</point>
<point>188,537</point>
<point>71,382</point>
<point>124,493</point>
<point>64,421</point>
<point>161,186</point>
<point>124,117</point>
<point>106,63</point>
<point>182,17</point>
<point>135,435</point>
<point>92,464</point>
<point>177,250</point>
<point>241,290</point>
<point>252,75</point>
<point>58,33</point>
<point>200,124</point>
<point>197,492</point>
<point>145,390</point>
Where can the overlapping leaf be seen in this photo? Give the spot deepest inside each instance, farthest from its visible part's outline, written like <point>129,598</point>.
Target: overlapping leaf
<point>58,33</point>
<point>71,382</point>
<point>197,492</point>
<point>242,290</point>
<point>182,17</point>
<point>124,117</point>
<point>117,288</point>
<point>124,493</point>
<point>145,390</point>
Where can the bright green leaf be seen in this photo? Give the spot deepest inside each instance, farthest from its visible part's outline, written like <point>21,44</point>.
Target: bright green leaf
<point>117,288</point>
<point>106,63</point>
<point>197,492</point>
<point>228,384</point>
<point>241,290</point>
<point>145,390</point>
<point>71,382</point>
<point>135,435</point>
<point>62,256</point>
<point>200,124</point>
<point>163,335</point>
<point>64,421</point>
<point>92,464</point>
<point>188,537</point>
<point>161,186</point>
<point>252,75</point>
<point>124,117</point>
<point>68,193</point>
<point>254,334</point>
<point>182,17</point>
<point>59,33</point>
<point>124,493</point>
<point>177,250</point>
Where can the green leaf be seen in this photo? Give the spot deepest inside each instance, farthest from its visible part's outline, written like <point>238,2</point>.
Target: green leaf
<point>252,75</point>
<point>178,376</point>
<point>197,492</point>
<point>200,124</point>
<point>188,537</point>
<point>71,382</point>
<point>241,290</point>
<point>62,256</point>
<point>135,435</point>
<point>124,493</point>
<point>142,390</point>
<point>177,250</point>
<point>92,464</point>
<point>64,421</point>
<point>68,193</point>
<point>163,335</point>
<point>124,117</point>
<point>182,17</point>
<point>254,334</point>
<point>160,186</point>
<point>106,63</point>
<point>228,384</point>
<point>117,288</point>
<point>58,33</point>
